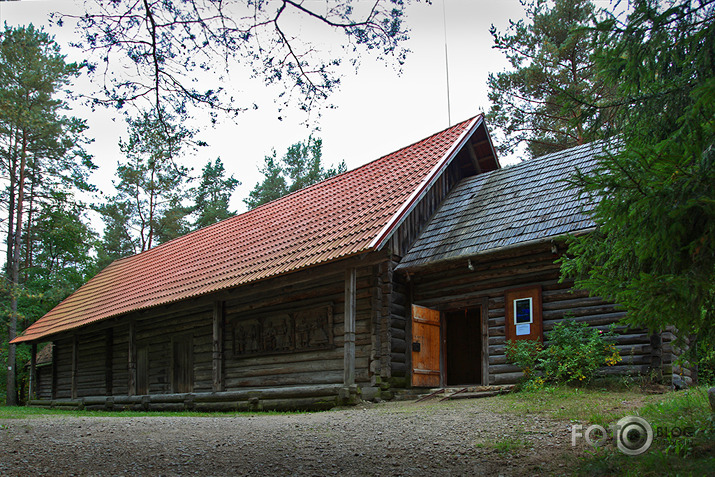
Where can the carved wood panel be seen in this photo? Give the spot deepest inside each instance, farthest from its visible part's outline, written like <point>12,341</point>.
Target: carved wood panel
<point>302,330</point>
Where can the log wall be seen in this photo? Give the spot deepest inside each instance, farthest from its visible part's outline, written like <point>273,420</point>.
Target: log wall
<point>454,285</point>
<point>314,364</point>
<point>44,382</point>
<point>95,361</point>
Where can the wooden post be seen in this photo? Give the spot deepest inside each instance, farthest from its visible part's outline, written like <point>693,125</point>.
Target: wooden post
<point>32,392</point>
<point>484,310</point>
<point>656,357</point>
<point>54,370</point>
<point>108,371</point>
<point>132,360</point>
<point>349,325</point>
<point>75,363</point>
<point>218,328</point>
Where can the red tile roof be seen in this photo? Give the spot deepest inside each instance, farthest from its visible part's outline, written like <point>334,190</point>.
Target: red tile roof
<point>345,215</point>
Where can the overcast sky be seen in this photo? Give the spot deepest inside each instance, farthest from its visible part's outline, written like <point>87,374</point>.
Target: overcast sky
<point>376,110</point>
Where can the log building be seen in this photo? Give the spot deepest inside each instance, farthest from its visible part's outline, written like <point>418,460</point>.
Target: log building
<point>403,272</point>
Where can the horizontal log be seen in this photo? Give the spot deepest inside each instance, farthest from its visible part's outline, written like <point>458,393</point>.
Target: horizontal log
<point>323,377</point>
<point>398,369</point>
<point>504,368</point>
<point>398,345</point>
<point>500,260</point>
<point>397,322</point>
<point>578,311</point>
<point>497,340</point>
<point>496,313</point>
<point>398,298</point>
<point>575,303</point>
<point>593,320</point>
<point>623,370</point>
<point>505,378</point>
<point>496,321</point>
<point>634,349</point>
<point>485,283</point>
<point>398,309</point>
<point>549,296</point>
<point>290,368</point>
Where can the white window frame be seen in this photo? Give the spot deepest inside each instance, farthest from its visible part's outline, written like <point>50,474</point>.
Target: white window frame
<point>531,310</point>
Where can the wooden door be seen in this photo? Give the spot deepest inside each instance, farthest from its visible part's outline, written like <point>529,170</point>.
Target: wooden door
<point>425,347</point>
<point>143,370</point>
<point>183,364</point>
<point>464,347</point>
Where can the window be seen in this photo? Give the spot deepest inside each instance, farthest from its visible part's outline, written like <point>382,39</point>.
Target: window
<point>523,316</point>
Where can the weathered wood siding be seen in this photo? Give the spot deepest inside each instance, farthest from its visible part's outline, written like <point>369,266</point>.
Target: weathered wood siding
<point>389,324</point>
<point>314,365</point>
<point>101,362</point>
<point>400,326</point>
<point>456,286</point>
<point>414,223</point>
<point>62,360</point>
<point>44,381</point>
<point>91,371</point>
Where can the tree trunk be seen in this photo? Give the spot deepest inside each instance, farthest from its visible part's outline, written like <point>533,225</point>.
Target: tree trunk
<point>14,279</point>
<point>12,173</point>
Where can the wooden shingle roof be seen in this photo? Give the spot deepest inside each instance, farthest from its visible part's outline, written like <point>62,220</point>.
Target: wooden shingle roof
<point>523,203</point>
<point>349,214</point>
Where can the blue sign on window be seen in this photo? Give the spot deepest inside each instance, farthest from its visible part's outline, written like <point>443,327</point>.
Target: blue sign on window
<point>522,311</point>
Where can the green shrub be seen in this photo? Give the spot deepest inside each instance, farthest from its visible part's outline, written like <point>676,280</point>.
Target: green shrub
<point>574,354</point>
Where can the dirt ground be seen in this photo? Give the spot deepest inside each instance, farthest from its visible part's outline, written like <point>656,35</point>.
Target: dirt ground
<point>387,439</point>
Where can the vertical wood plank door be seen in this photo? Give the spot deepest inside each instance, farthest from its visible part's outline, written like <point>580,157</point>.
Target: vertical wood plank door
<point>183,364</point>
<point>143,370</point>
<point>425,347</point>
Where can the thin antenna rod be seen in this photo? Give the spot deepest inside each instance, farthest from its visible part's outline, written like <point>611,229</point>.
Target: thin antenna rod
<point>446,63</point>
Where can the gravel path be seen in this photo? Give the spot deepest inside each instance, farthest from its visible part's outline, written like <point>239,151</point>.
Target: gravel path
<point>410,439</point>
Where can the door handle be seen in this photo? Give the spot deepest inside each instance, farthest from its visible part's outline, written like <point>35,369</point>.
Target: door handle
<point>416,346</point>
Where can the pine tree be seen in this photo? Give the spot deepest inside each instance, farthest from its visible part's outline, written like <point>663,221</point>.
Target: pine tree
<point>300,167</point>
<point>654,248</point>
<point>151,187</point>
<point>40,151</point>
<point>547,100</point>
<point>212,196</point>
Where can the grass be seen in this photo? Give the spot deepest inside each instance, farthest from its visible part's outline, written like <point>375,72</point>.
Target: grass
<point>34,412</point>
<point>592,405</point>
<point>682,422</point>
<point>683,443</point>
<point>507,445</point>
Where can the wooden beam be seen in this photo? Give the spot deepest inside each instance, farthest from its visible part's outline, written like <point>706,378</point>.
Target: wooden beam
<point>108,352</point>
<point>484,311</point>
<point>473,156</point>
<point>75,363</point>
<point>218,345</point>
<point>54,370</point>
<point>32,392</point>
<point>132,360</point>
<point>349,325</point>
